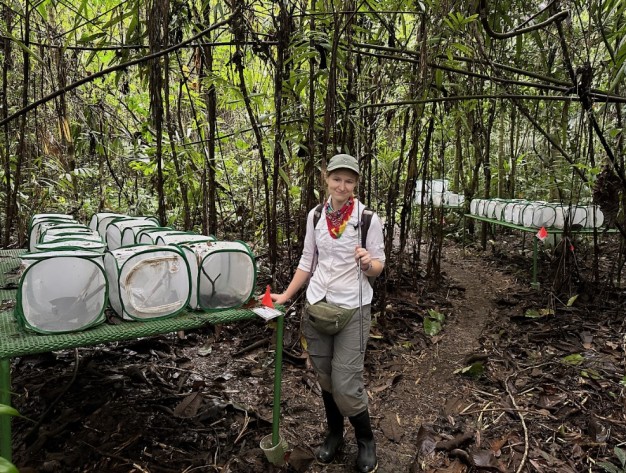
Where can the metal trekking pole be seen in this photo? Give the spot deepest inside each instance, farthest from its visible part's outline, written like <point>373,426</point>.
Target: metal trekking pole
<point>358,236</point>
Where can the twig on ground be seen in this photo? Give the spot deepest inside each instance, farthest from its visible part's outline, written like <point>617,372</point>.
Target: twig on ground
<point>525,456</point>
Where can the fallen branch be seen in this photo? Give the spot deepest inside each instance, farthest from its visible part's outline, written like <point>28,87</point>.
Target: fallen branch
<point>253,346</point>
<point>454,442</point>
<point>525,456</point>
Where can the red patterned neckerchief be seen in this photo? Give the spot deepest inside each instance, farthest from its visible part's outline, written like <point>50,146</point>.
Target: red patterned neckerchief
<point>337,220</point>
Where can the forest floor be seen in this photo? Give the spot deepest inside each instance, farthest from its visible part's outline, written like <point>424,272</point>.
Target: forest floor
<point>518,379</point>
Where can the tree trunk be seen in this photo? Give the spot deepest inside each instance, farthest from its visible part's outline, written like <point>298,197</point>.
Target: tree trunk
<point>308,156</point>
<point>501,155</point>
<point>209,184</point>
<point>7,65</point>
<point>239,34</point>
<point>285,28</point>
<point>157,29</point>
<point>458,157</point>
<point>180,175</point>
<point>330,102</point>
<point>13,189</point>
<point>513,143</point>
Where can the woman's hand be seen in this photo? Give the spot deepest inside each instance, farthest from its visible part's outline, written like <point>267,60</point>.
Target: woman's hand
<point>281,299</point>
<point>363,258</point>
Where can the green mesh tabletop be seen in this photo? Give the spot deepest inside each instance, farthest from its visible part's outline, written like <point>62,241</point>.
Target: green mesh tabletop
<point>16,342</point>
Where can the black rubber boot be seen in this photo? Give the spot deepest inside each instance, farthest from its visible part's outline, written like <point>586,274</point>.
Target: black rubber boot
<point>334,436</point>
<point>366,459</point>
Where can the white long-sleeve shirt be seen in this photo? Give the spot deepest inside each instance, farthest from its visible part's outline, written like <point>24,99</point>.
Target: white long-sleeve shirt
<point>336,276</point>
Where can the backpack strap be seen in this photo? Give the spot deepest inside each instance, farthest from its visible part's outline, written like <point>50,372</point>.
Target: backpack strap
<point>317,215</point>
<point>316,218</point>
<point>366,220</point>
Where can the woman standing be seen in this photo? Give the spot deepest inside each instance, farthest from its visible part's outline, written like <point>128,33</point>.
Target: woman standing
<point>337,268</point>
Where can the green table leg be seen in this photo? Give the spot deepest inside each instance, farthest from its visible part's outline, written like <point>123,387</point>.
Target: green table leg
<point>278,370</point>
<point>5,398</point>
<point>463,238</point>
<point>534,282</point>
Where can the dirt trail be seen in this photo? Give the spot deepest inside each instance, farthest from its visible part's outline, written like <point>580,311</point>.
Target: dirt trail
<point>471,296</point>
<point>431,382</point>
<point>417,388</point>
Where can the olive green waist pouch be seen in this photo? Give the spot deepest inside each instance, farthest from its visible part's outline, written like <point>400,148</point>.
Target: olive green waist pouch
<point>328,318</point>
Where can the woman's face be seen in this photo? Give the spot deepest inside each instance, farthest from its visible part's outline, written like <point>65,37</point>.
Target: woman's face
<point>341,184</point>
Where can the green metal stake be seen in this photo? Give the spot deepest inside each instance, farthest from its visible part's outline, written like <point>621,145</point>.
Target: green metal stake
<point>463,239</point>
<point>5,398</point>
<point>535,284</point>
<point>278,370</point>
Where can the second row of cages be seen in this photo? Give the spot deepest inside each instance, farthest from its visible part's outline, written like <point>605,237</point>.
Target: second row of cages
<point>440,199</point>
<point>105,231</point>
<point>437,193</point>
<point>537,214</point>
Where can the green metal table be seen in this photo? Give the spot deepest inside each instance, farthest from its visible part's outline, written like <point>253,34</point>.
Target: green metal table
<point>16,342</point>
<point>533,230</point>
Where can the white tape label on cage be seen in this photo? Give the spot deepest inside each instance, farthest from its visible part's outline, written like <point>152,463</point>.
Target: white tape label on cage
<point>267,312</point>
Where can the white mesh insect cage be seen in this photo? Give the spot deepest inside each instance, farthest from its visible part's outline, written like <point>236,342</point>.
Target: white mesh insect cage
<point>39,224</point>
<point>150,237</point>
<point>82,236</point>
<point>96,218</point>
<point>61,291</point>
<point>49,216</point>
<point>65,231</point>
<point>180,239</point>
<point>71,243</point>
<point>595,217</point>
<point>115,230</point>
<point>147,281</point>
<point>150,241</point>
<point>129,234</point>
<point>223,274</point>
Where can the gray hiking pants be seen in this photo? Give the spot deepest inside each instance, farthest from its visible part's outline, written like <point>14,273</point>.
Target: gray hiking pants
<point>338,361</point>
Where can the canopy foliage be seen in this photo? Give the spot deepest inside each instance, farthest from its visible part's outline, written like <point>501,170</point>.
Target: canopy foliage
<point>218,115</point>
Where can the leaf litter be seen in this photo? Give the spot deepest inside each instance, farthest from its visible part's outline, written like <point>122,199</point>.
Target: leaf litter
<point>493,390</point>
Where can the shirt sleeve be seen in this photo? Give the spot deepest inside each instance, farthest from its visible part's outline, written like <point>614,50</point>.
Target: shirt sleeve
<point>375,243</point>
<point>308,250</point>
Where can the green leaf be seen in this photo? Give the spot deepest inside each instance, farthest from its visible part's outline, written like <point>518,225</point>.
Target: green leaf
<point>42,8</point>
<point>284,175</point>
<point>89,38</point>
<point>7,467</point>
<point>621,454</point>
<point>25,48</point>
<point>438,316</point>
<point>536,314</point>
<point>608,467</point>
<point>431,327</point>
<point>8,410</point>
<point>591,373</point>
<point>475,370</point>
<point>571,300</point>
<point>574,360</point>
